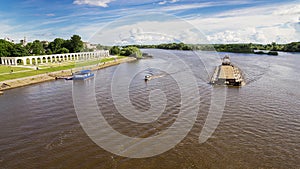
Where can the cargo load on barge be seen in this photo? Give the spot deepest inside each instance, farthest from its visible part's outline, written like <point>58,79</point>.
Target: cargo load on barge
<point>227,74</point>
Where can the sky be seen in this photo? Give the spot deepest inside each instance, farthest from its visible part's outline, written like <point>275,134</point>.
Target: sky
<point>111,22</point>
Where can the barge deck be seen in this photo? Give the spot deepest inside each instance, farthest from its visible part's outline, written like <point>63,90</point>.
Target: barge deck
<point>227,74</point>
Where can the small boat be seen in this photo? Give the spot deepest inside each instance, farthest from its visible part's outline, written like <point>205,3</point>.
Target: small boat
<point>81,75</point>
<point>148,77</point>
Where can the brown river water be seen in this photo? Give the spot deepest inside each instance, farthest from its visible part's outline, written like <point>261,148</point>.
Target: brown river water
<point>259,127</point>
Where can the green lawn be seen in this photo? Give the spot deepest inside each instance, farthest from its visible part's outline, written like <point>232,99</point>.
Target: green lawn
<point>51,68</point>
<point>7,69</point>
<point>94,62</point>
<point>34,72</point>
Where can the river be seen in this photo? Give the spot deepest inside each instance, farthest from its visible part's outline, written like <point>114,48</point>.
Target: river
<point>259,127</point>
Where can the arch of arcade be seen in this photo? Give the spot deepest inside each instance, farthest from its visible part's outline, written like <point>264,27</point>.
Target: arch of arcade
<point>53,58</point>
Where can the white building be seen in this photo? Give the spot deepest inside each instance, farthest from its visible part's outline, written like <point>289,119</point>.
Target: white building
<point>35,60</point>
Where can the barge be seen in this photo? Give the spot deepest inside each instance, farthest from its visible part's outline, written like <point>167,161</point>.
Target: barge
<point>227,74</point>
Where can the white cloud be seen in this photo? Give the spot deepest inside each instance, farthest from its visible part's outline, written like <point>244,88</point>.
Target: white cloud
<point>101,3</point>
<point>239,36</point>
<point>294,10</point>
<point>260,24</point>
<point>7,28</point>
<point>165,1</point>
<point>162,2</point>
<point>264,24</point>
<point>142,31</point>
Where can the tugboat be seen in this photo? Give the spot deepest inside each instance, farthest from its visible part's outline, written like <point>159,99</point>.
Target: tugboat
<point>148,77</point>
<point>81,75</point>
<point>227,74</point>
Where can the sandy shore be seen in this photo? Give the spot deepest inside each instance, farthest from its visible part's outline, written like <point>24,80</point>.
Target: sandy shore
<point>15,83</point>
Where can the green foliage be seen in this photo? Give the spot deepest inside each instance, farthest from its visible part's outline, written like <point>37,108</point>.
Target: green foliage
<point>60,45</point>
<point>236,48</point>
<point>19,50</point>
<point>292,47</point>
<point>168,46</point>
<point>37,48</point>
<point>6,48</point>
<point>174,46</point>
<point>56,45</point>
<point>131,51</point>
<point>115,50</point>
<point>76,44</point>
<point>62,50</point>
<point>49,51</point>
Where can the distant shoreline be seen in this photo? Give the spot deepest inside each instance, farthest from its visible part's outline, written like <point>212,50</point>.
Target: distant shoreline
<point>272,48</point>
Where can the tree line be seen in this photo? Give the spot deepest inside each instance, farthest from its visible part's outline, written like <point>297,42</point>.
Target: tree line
<point>236,48</point>
<point>37,47</point>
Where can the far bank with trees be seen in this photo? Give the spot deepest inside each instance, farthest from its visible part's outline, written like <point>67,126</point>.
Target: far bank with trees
<point>235,48</point>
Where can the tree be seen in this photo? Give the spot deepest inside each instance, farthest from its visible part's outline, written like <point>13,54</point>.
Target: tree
<point>56,45</point>
<point>76,44</point>
<point>115,50</point>
<point>67,44</point>
<point>19,50</point>
<point>29,47</point>
<point>62,50</point>
<point>36,48</point>
<point>6,48</point>
<point>49,51</point>
<point>131,51</point>
<point>292,47</point>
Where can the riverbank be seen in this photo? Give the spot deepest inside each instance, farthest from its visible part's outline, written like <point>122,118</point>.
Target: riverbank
<point>20,82</point>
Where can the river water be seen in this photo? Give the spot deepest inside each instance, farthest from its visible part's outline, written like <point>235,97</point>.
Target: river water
<point>259,127</point>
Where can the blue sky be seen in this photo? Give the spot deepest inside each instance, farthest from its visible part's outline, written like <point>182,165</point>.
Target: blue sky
<point>236,21</point>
